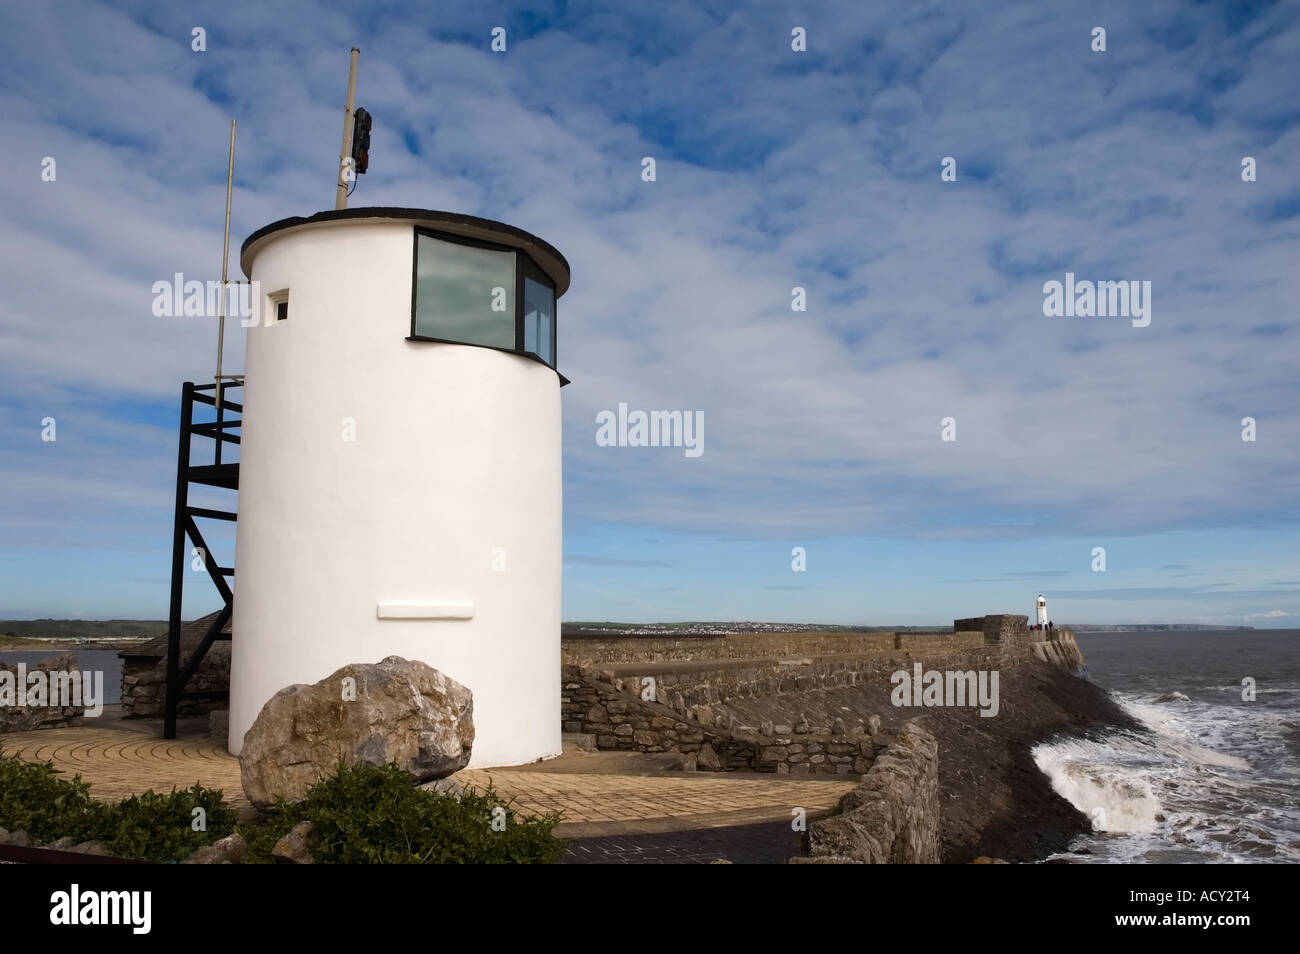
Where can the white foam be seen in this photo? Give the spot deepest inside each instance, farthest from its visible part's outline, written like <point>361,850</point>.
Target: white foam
<point>1115,799</point>
<point>1175,793</point>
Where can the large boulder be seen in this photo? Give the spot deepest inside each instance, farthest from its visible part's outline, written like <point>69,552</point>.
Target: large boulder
<point>396,710</point>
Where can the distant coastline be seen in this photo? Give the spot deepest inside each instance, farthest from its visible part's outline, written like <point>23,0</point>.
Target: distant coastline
<point>33,633</point>
<point>1154,628</point>
<point>590,630</point>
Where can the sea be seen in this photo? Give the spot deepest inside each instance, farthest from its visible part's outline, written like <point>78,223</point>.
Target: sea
<point>105,660</point>
<point>1213,776</point>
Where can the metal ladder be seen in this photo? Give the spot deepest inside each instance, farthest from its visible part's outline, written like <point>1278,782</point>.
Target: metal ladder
<point>216,474</point>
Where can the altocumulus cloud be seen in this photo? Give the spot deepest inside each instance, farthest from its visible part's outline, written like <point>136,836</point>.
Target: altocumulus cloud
<point>774,170</point>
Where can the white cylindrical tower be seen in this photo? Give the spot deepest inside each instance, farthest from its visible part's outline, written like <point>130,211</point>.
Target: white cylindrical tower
<point>1041,605</point>
<point>399,485</point>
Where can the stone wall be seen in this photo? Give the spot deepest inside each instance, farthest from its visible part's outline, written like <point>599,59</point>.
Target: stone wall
<point>144,684</point>
<point>622,720</point>
<point>933,643</point>
<point>616,714</point>
<point>693,691</point>
<point>15,718</point>
<point>1059,649</point>
<point>893,816</point>
<point>591,652</point>
<point>1006,628</point>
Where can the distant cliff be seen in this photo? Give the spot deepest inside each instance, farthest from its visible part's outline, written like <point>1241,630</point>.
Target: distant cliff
<point>1154,628</point>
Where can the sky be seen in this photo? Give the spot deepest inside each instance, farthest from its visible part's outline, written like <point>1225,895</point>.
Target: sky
<point>775,168</point>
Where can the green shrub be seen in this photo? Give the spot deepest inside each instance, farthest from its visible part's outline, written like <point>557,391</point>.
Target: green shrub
<point>34,799</point>
<point>373,815</point>
<point>150,827</point>
<point>160,827</point>
<point>364,814</point>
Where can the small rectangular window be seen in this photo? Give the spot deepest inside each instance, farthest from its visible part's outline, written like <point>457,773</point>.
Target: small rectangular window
<point>279,304</point>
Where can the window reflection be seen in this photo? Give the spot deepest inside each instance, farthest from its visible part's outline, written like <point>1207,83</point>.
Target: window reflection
<point>464,293</point>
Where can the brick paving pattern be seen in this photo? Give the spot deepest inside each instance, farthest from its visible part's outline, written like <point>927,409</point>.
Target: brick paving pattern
<point>615,817</point>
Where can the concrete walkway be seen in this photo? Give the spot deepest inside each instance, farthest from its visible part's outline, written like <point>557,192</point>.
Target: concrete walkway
<point>601,794</point>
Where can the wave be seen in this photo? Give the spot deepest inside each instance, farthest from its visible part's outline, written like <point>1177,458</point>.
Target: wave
<point>1086,775</point>
<point>1204,782</point>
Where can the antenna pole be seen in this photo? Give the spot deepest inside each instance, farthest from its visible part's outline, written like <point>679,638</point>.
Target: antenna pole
<point>345,154</point>
<point>225,257</point>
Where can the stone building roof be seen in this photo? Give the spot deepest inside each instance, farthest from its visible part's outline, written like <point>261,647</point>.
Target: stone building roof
<point>191,634</point>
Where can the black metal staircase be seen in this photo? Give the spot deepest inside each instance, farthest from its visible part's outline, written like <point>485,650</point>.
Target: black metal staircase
<point>217,474</point>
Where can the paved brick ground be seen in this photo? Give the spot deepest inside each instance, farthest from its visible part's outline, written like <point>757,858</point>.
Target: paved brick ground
<point>617,816</point>
<point>598,805</point>
<point>119,762</point>
<point>769,843</point>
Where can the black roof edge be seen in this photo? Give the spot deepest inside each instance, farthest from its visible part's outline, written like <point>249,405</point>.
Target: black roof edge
<point>425,215</point>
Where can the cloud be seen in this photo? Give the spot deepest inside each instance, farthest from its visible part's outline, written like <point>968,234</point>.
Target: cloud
<point>775,169</point>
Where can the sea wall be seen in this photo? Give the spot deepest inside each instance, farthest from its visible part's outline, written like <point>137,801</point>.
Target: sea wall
<point>893,816</point>
<point>696,689</point>
<point>621,719</point>
<point>735,646</point>
<point>1059,649</point>
<point>772,702</point>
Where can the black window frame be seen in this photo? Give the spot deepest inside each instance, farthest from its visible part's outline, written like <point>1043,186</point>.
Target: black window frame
<point>520,257</point>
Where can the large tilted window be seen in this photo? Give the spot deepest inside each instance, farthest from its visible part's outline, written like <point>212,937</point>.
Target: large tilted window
<point>470,292</point>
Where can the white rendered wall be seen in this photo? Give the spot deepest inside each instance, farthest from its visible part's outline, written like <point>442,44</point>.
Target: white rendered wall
<point>457,451</point>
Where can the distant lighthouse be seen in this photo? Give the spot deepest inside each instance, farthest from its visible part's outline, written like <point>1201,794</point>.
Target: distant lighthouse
<point>1041,603</point>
